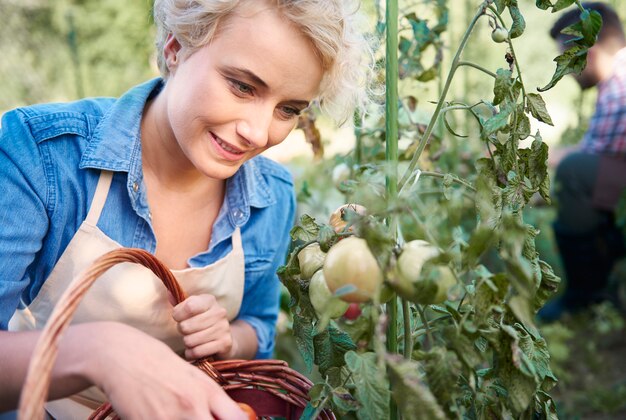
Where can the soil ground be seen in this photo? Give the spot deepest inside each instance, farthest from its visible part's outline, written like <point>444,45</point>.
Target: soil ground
<point>588,353</point>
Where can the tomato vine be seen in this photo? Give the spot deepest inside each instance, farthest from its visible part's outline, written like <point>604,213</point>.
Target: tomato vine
<point>457,336</point>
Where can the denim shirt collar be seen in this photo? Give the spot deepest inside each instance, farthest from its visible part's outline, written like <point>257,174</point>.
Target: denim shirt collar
<point>115,145</point>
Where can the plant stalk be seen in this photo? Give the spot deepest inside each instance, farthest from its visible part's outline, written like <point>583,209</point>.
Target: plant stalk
<point>408,337</point>
<point>391,158</point>
<point>444,93</point>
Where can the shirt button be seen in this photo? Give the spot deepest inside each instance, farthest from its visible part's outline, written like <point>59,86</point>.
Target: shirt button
<point>237,214</point>
<point>135,187</point>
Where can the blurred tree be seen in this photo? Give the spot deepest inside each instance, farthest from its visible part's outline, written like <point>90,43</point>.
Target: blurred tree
<point>62,50</point>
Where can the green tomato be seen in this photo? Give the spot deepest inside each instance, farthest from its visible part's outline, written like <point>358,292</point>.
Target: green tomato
<point>499,35</point>
<point>341,173</point>
<point>444,280</point>
<point>322,298</point>
<point>351,267</point>
<point>411,260</point>
<point>310,259</point>
<point>386,293</point>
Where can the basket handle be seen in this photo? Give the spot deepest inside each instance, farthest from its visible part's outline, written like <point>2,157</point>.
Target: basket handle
<point>39,375</point>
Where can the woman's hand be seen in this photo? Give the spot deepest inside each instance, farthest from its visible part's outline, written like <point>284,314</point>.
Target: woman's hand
<point>143,378</point>
<point>204,326</point>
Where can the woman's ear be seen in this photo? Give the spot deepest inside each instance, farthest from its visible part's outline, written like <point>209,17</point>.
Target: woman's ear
<point>171,52</point>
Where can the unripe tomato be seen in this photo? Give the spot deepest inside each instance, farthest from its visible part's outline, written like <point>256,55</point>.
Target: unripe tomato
<point>353,312</point>
<point>310,259</point>
<point>499,35</point>
<point>322,298</point>
<point>419,277</point>
<point>350,262</point>
<point>337,218</point>
<point>341,173</point>
<point>386,293</point>
<point>444,280</point>
<point>248,410</point>
<point>414,255</point>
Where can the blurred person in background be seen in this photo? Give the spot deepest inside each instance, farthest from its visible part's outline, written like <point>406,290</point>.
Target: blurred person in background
<point>591,176</point>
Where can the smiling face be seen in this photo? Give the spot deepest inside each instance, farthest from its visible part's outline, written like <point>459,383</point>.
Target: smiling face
<point>237,96</point>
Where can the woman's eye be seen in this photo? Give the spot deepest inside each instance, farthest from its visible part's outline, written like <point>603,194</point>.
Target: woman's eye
<point>290,112</point>
<point>241,88</point>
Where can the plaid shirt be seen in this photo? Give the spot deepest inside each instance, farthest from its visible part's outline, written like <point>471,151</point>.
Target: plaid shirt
<point>607,127</point>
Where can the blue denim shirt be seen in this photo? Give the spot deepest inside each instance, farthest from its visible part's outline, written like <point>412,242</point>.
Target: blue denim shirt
<point>51,156</point>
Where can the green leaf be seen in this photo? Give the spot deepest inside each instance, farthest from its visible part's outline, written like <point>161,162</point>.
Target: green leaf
<point>413,397</point>
<point>520,389</point>
<point>462,346</point>
<point>344,400</point>
<point>378,238</point>
<point>521,308</point>
<point>517,193</point>
<point>421,32</point>
<point>502,85</point>
<point>306,230</point>
<point>591,24</point>
<point>544,189</point>
<point>482,237</point>
<point>548,286</point>
<point>443,369</point>
<point>303,333</point>
<point>546,406</point>
<point>519,24</point>
<point>498,121</point>
<point>562,4</point>
<point>330,347</point>
<point>538,162</point>
<point>543,4</point>
<point>371,385</point>
<point>535,355</point>
<point>519,383</point>
<point>523,126</point>
<point>308,412</point>
<point>490,294</point>
<point>572,60</point>
<point>501,4</point>
<point>537,108</point>
<point>428,75</point>
<point>404,45</point>
<point>326,237</point>
<point>488,194</point>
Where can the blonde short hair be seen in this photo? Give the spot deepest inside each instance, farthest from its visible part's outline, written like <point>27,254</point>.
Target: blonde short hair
<point>332,26</point>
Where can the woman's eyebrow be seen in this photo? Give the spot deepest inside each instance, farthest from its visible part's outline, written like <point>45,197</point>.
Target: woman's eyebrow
<point>257,80</point>
<point>250,75</point>
<point>300,103</point>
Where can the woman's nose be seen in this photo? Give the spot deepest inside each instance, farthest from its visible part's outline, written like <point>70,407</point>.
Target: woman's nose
<point>255,127</point>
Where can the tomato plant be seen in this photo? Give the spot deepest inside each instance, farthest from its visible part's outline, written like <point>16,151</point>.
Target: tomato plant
<point>322,298</point>
<point>446,229</point>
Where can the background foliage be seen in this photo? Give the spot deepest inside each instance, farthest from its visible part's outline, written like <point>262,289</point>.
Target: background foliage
<point>63,49</point>
<point>66,49</point>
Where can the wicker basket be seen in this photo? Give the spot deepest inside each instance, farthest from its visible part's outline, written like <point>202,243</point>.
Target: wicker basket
<point>270,387</point>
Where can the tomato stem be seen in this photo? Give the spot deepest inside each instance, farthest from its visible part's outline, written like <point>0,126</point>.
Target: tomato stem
<point>391,158</point>
<point>444,92</point>
<point>408,339</point>
<point>424,319</point>
<point>477,66</point>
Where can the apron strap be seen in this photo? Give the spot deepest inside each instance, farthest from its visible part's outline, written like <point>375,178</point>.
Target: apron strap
<point>99,197</point>
<point>236,239</point>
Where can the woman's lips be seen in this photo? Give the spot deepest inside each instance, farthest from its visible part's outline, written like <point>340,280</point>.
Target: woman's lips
<point>226,150</point>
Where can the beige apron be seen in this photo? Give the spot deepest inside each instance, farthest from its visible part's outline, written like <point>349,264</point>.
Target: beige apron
<point>127,293</point>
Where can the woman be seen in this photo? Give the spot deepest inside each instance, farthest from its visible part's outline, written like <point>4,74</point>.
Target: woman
<point>170,167</point>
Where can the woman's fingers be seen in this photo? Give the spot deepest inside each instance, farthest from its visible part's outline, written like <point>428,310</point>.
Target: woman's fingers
<point>192,306</point>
